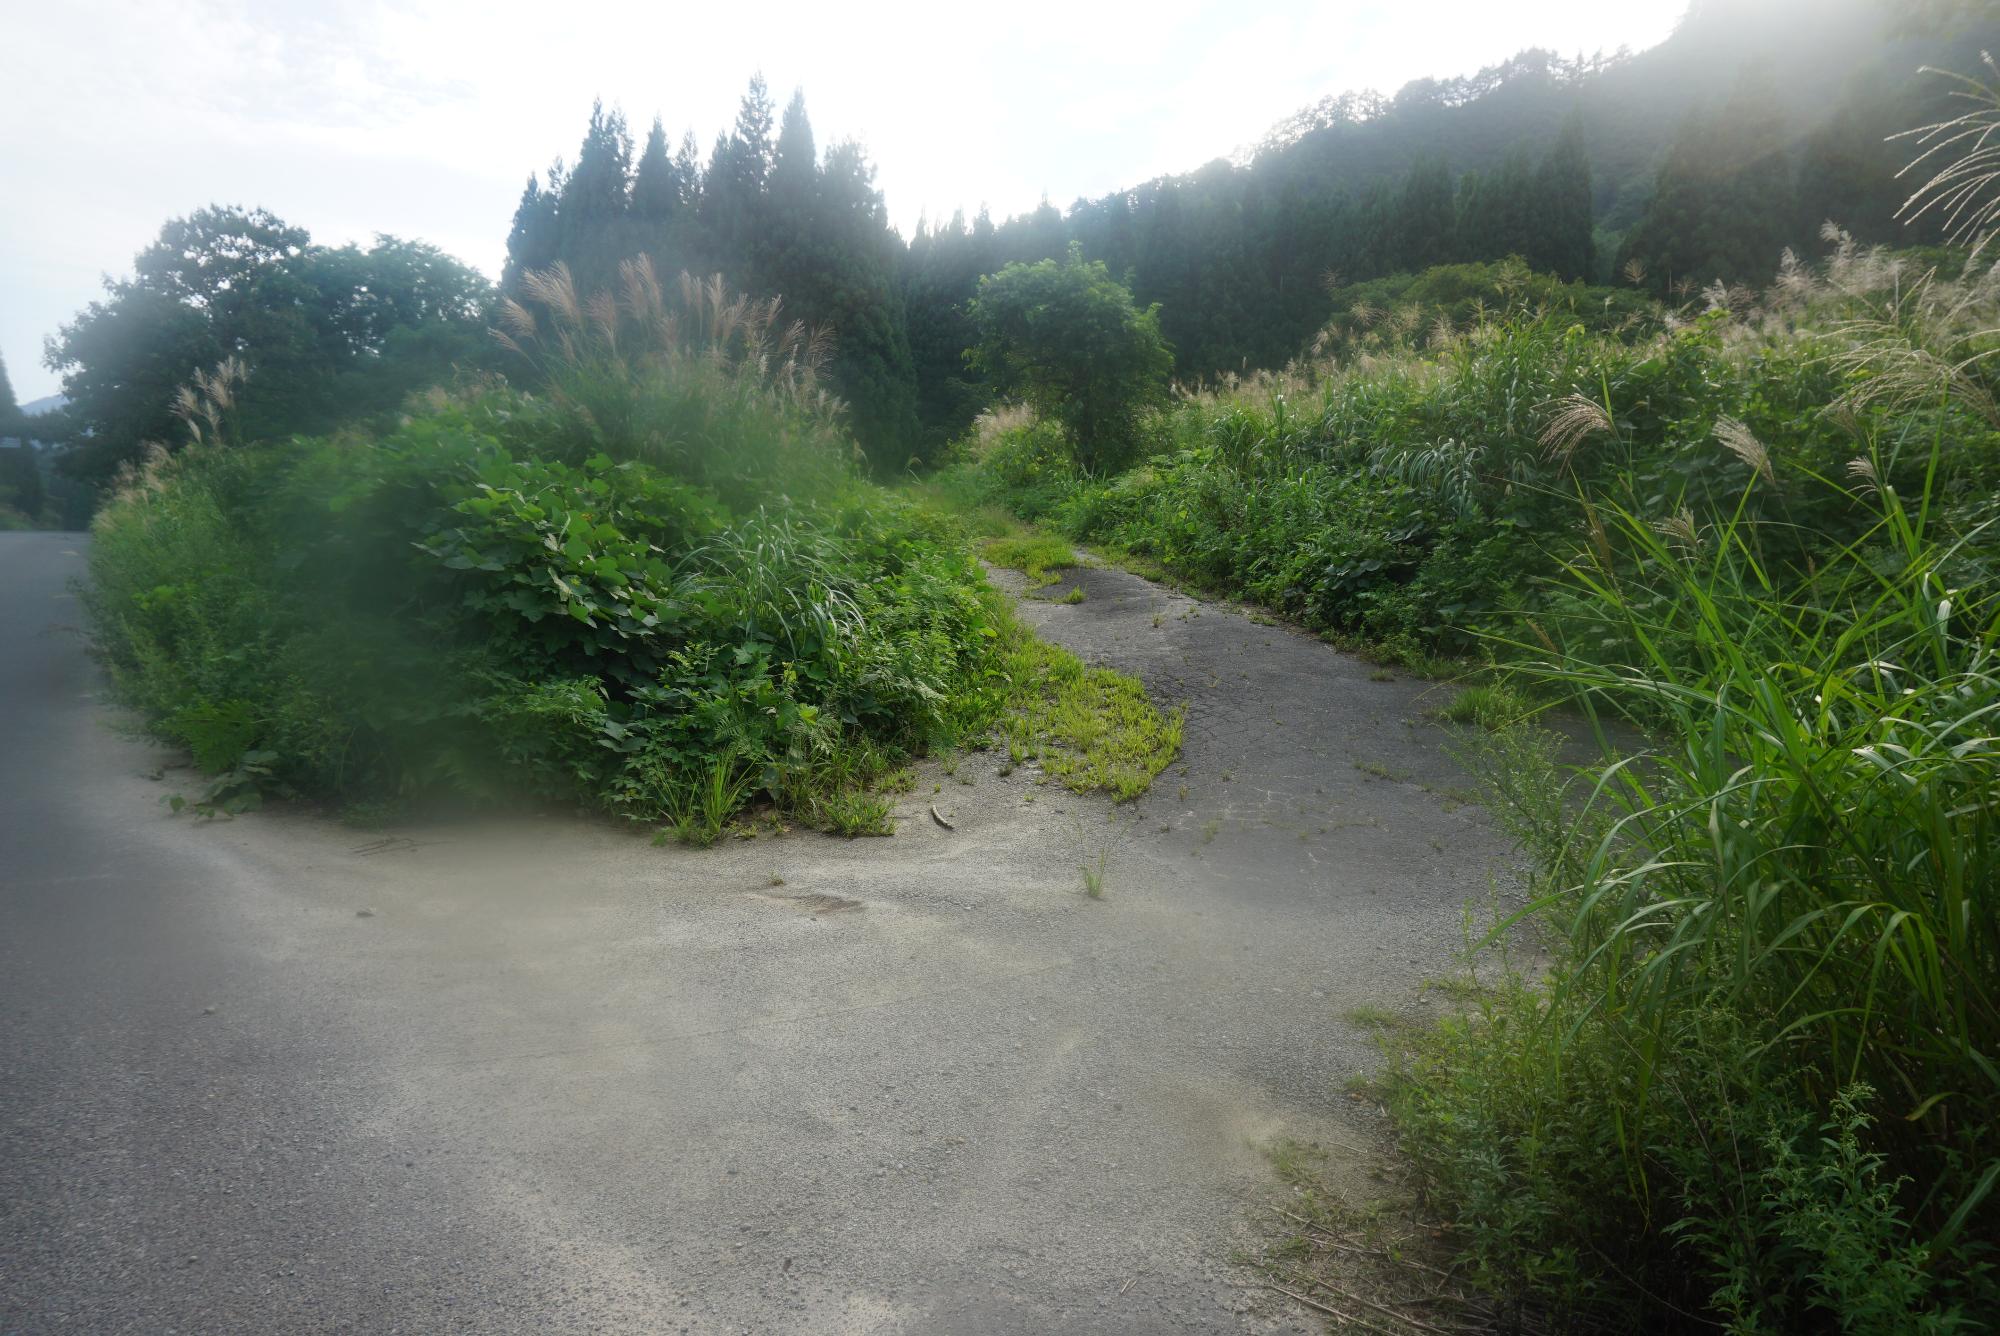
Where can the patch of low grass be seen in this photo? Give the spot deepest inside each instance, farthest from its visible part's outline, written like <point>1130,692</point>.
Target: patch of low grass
<point>856,812</point>
<point>1373,1018</point>
<point>1375,1265</point>
<point>698,808</point>
<point>1038,556</point>
<point>1088,728</point>
<point>1492,707</point>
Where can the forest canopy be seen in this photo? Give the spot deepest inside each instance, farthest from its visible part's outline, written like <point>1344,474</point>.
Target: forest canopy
<point>1699,161</point>
<point>333,333</point>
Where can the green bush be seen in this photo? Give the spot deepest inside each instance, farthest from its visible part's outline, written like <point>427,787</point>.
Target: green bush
<point>655,586</point>
<point>1066,337</point>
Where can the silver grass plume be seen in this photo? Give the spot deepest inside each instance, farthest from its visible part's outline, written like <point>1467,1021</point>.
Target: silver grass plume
<point>1577,418</point>
<point>1740,441</point>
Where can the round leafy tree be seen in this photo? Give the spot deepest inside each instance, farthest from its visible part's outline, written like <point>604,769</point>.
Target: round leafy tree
<point>1066,337</point>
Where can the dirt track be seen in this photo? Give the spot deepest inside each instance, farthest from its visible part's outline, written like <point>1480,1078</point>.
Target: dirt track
<point>558,1077</point>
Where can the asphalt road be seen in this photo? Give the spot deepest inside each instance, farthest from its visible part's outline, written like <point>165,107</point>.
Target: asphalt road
<point>278,1075</point>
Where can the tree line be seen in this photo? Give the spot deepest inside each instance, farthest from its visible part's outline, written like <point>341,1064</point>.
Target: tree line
<point>1683,165</point>
<point>1699,160</point>
<point>767,210</point>
<point>331,333</point>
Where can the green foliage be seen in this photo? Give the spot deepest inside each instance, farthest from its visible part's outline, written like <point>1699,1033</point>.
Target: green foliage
<point>1822,1222</point>
<point>1792,893</point>
<point>334,333</point>
<point>1817,845</point>
<point>1066,337</point>
<point>1779,919</point>
<point>770,214</point>
<point>654,589</point>
<point>1421,491</point>
<point>1757,1081</point>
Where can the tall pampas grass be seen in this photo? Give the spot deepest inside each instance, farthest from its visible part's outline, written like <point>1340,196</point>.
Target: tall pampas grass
<point>689,375</point>
<point>1959,166</point>
<point>641,328</point>
<point>1576,419</point>
<point>1740,441</point>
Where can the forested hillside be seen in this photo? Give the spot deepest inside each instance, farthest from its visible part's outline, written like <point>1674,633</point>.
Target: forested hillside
<point>1658,172</point>
<point>1699,160</point>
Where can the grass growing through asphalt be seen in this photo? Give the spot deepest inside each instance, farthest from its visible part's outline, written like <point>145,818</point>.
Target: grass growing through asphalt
<point>1093,874</point>
<point>1088,728</point>
<point>1488,707</point>
<point>1038,556</point>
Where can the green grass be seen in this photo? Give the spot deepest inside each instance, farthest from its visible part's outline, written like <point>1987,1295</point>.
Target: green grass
<point>1088,728</point>
<point>1038,556</point>
<point>1762,1074</point>
<point>1093,874</point>
<point>698,807</point>
<point>1489,707</point>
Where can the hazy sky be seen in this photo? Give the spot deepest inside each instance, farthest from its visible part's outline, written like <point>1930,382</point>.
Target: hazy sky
<point>424,117</point>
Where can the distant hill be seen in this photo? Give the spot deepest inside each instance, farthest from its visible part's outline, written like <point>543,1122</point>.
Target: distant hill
<point>48,403</point>
<point>1803,66</point>
<point>1702,158</point>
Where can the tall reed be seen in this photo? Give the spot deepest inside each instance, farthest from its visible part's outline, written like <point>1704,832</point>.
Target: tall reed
<point>1815,845</point>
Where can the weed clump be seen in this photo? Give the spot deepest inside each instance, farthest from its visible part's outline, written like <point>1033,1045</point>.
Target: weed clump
<point>647,580</point>
<point>1088,728</point>
<point>1038,556</point>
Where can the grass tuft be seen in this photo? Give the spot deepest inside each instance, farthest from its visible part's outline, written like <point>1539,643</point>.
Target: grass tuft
<point>1488,707</point>
<point>1088,728</point>
<point>1038,556</point>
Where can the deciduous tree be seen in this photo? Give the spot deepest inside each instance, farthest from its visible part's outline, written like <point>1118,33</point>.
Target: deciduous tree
<point>1068,338</point>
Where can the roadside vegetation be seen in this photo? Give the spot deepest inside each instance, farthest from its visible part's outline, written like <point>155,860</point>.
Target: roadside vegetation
<point>1732,1061</point>
<point>1753,1077</point>
<point>653,585</point>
